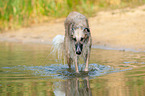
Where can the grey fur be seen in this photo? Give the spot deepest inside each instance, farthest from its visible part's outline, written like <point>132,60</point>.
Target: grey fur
<point>77,32</point>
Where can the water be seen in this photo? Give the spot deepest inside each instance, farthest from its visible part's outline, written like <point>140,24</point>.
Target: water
<point>29,70</point>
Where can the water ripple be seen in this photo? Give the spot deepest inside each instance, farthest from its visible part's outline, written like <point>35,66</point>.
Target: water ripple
<point>62,71</point>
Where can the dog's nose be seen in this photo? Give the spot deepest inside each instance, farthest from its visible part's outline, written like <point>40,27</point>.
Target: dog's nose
<point>78,52</point>
<point>79,48</point>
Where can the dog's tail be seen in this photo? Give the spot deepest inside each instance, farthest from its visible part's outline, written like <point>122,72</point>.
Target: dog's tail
<point>58,45</point>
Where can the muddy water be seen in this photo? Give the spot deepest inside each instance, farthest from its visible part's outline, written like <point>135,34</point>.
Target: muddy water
<point>29,70</point>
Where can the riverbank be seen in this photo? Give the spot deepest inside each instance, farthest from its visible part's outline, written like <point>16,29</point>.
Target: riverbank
<point>117,29</point>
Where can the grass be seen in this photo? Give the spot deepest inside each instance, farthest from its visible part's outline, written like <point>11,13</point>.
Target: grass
<point>20,13</point>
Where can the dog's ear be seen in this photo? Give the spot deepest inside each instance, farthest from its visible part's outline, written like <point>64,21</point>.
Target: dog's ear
<point>87,32</point>
<point>71,29</point>
<point>86,29</point>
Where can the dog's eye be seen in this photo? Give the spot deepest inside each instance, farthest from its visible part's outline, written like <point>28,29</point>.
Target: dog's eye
<point>86,29</point>
<point>74,39</point>
<point>82,39</point>
<point>72,29</point>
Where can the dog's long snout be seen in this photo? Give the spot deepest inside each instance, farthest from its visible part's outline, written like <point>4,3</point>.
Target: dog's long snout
<point>79,48</point>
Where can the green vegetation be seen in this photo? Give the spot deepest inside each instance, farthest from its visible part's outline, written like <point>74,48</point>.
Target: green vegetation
<point>17,13</point>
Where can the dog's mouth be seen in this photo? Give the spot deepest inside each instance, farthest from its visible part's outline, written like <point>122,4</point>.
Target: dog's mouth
<point>79,48</point>
<point>78,53</point>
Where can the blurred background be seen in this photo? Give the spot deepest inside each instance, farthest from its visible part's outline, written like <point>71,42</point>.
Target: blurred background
<point>22,13</point>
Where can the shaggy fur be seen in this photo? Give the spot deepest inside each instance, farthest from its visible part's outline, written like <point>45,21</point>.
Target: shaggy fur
<point>77,41</point>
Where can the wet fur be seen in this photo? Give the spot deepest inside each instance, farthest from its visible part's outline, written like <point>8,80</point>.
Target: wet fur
<point>73,21</point>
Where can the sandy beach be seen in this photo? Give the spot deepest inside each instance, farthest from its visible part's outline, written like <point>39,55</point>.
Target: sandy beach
<point>119,29</point>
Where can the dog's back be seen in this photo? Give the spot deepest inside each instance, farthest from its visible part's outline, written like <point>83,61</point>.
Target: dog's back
<point>77,38</point>
<point>76,19</point>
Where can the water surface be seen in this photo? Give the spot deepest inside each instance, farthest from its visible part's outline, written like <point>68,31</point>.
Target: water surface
<point>30,70</point>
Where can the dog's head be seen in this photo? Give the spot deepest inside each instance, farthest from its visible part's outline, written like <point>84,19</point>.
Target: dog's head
<point>79,36</point>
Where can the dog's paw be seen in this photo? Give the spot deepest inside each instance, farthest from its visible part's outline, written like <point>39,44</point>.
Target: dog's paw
<point>86,70</point>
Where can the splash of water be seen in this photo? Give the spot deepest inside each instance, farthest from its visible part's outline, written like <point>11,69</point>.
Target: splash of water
<point>62,71</point>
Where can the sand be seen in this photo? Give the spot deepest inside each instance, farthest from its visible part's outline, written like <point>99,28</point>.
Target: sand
<point>122,29</point>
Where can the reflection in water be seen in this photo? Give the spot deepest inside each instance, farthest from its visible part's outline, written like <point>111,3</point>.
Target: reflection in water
<point>23,73</point>
<point>73,87</point>
<point>26,88</point>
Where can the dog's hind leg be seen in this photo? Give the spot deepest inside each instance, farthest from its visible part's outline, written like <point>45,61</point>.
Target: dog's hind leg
<point>69,61</point>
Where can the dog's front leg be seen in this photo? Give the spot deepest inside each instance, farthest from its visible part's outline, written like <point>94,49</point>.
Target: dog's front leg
<point>76,64</point>
<point>87,60</point>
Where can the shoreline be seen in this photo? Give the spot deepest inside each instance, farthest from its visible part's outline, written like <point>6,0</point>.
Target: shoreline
<point>50,43</point>
<point>121,29</point>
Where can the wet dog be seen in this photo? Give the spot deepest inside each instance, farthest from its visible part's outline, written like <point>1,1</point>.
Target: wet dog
<point>77,41</point>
